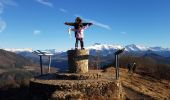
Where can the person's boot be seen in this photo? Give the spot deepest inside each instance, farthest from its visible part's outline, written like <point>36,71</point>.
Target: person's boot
<point>76,45</point>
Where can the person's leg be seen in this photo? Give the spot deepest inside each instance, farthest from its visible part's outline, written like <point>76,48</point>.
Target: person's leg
<point>82,43</point>
<point>134,67</point>
<point>128,68</point>
<point>76,44</point>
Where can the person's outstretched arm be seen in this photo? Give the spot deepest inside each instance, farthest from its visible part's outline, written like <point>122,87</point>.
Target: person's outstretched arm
<point>73,30</point>
<point>70,24</point>
<point>89,24</point>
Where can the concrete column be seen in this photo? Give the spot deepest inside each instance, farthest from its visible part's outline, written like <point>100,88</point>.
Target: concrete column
<point>78,61</point>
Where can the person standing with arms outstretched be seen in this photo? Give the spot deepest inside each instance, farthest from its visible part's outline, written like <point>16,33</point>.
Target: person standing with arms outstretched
<point>79,30</point>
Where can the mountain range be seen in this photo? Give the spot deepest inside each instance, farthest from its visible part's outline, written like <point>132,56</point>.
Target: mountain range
<point>103,49</point>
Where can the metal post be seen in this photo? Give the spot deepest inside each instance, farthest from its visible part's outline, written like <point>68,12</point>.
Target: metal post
<point>116,60</point>
<point>118,66</point>
<point>49,64</point>
<point>41,64</point>
<point>43,53</point>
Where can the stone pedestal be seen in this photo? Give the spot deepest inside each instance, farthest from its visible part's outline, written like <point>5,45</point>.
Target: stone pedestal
<point>94,85</point>
<point>78,61</point>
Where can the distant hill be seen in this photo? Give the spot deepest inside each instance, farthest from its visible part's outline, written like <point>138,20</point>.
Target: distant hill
<point>10,59</point>
<point>158,58</point>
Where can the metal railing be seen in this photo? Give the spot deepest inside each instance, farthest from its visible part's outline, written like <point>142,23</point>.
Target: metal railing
<point>44,53</point>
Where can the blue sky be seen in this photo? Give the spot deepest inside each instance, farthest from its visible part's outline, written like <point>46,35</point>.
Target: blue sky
<point>39,24</point>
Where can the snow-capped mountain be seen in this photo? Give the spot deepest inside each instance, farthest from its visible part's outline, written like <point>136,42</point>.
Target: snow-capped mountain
<point>98,46</point>
<point>133,47</point>
<point>16,50</point>
<point>159,49</point>
<point>103,49</point>
<point>128,48</point>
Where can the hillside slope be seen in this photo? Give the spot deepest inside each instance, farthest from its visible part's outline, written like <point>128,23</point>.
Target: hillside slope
<point>10,59</point>
<point>15,73</point>
<point>139,87</point>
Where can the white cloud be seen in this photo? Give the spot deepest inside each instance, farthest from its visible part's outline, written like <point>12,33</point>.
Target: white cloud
<point>123,32</point>
<point>99,24</point>
<point>36,32</point>
<point>4,3</point>
<point>1,8</point>
<point>3,25</point>
<point>45,2</point>
<point>9,2</point>
<point>63,10</point>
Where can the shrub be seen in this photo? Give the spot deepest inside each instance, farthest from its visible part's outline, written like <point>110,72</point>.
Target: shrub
<point>15,78</point>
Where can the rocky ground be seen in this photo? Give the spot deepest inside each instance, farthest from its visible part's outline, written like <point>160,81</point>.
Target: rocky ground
<point>135,86</point>
<point>91,85</point>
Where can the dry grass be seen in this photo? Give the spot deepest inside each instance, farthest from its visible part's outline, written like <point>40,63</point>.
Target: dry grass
<point>145,86</point>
